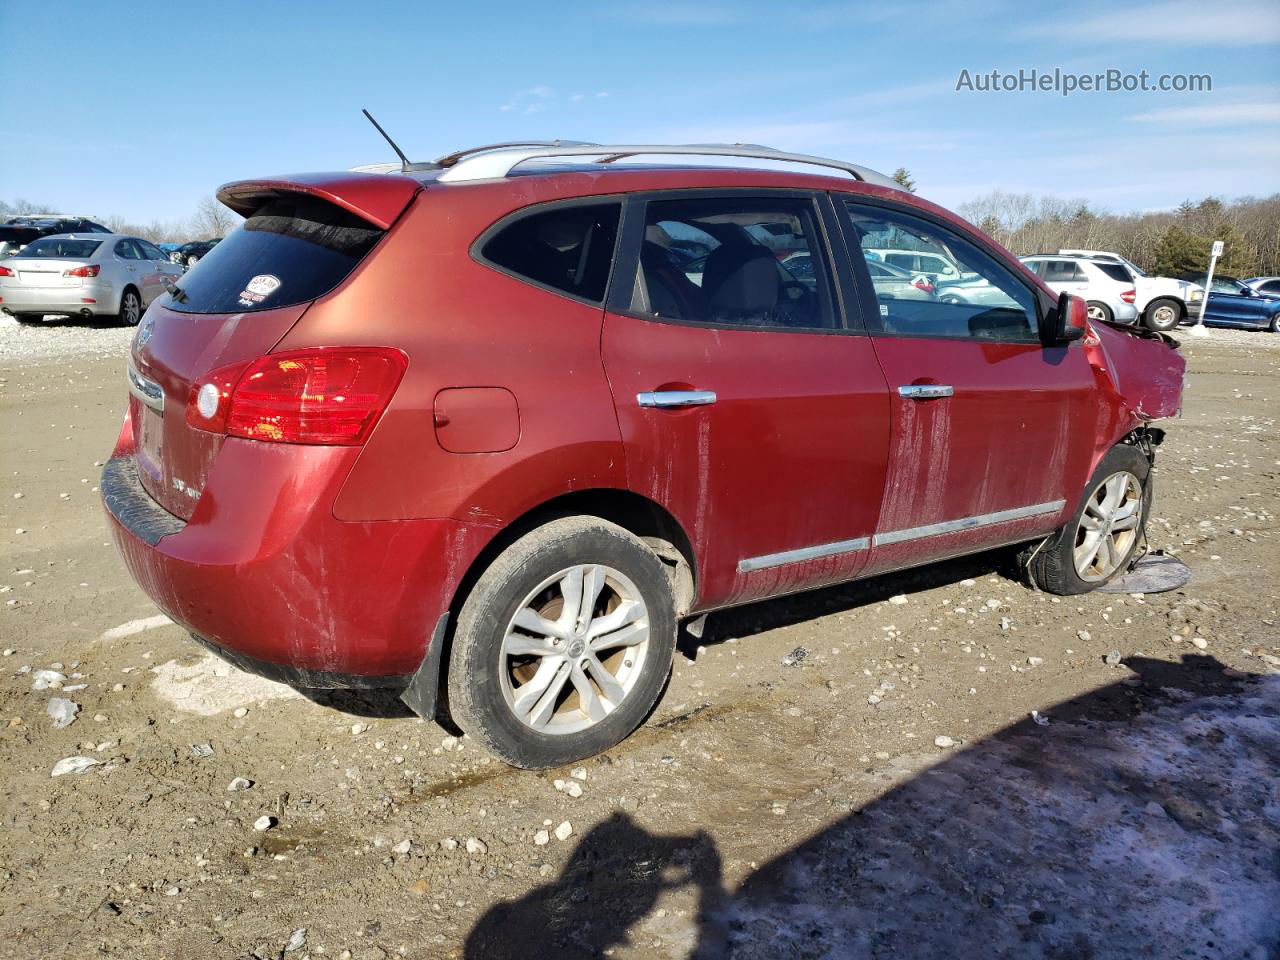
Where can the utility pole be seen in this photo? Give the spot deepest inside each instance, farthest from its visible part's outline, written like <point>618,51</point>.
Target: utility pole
<point>1198,329</point>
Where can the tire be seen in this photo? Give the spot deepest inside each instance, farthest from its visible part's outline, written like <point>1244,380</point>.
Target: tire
<point>950,298</point>
<point>1275,324</point>
<point>491,651</point>
<point>1052,565</point>
<point>192,260</point>
<point>130,308</point>
<point>1099,312</point>
<point>1162,314</point>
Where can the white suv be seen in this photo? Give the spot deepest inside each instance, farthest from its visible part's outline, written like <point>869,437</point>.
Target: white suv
<point>1110,298</point>
<point>1162,302</point>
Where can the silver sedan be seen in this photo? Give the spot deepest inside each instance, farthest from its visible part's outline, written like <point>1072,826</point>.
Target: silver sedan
<point>86,275</point>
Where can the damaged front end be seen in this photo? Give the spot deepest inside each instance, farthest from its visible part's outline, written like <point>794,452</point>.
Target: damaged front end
<point>1139,369</point>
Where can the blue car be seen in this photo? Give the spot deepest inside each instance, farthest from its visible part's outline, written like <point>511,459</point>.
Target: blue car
<point>1233,303</point>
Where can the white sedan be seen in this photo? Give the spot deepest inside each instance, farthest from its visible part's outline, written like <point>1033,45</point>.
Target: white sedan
<point>86,275</point>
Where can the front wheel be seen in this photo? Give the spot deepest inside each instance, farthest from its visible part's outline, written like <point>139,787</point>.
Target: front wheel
<point>1163,314</point>
<point>563,645</point>
<point>1275,324</point>
<point>1103,534</point>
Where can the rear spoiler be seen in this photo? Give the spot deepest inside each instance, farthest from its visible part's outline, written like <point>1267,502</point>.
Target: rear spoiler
<point>377,198</point>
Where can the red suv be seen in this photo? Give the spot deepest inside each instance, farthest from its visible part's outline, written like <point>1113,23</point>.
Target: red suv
<point>487,430</point>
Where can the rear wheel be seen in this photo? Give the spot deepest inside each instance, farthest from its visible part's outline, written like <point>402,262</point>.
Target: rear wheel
<point>130,308</point>
<point>1275,324</point>
<point>1102,536</point>
<point>1163,314</point>
<point>563,645</point>
<point>192,260</point>
<point>1100,312</point>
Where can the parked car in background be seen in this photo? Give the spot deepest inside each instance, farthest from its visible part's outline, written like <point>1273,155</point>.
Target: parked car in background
<point>84,275</point>
<point>191,253</point>
<point>1108,290</point>
<point>1235,303</point>
<point>13,239</point>
<point>1162,302</point>
<point>935,264</point>
<point>47,224</point>
<point>327,473</point>
<point>1267,285</point>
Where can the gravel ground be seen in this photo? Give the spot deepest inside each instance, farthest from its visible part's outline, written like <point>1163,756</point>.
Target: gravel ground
<point>952,767</point>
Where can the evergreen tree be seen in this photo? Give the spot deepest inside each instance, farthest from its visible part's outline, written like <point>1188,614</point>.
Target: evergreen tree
<point>903,176</point>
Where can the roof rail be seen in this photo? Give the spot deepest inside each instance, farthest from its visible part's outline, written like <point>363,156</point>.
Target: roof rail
<point>485,163</point>
<point>450,159</point>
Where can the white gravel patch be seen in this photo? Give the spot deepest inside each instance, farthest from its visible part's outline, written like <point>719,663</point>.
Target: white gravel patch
<point>23,344</point>
<point>1228,335</point>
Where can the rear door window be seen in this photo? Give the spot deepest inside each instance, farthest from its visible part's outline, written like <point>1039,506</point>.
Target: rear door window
<point>568,249</point>
<point>763,266</point>
<point>290,250</point>
<point>151,251</point>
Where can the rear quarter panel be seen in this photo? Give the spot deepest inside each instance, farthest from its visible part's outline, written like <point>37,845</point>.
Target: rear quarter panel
<point>466,325</point>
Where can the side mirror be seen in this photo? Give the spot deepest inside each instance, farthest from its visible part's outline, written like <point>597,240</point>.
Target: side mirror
<point>1067,321</point>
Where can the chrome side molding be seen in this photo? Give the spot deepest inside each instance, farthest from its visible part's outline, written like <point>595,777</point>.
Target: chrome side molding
<point>967,523</point>
<point>805,553</point>
<point>897,536</point>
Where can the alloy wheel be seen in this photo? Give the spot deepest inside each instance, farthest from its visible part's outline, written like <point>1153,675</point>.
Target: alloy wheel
<point>130,310</point>
<point>1108,528</point>
<point>574,650</point>
<point>1163,317</point>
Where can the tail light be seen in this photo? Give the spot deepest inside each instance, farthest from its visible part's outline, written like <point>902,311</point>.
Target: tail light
<point>1129,296</point>
<point>327,395</point>
<point>91,270</point>
<point>922,284</point>
<point>5,272</point>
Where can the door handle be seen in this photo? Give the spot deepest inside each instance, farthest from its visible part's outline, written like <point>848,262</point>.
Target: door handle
<point>926,391</point>
<point>676,398</point>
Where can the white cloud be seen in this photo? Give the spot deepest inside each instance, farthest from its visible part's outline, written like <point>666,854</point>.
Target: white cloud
<point>1225,115</point>
<point>577,98</point>
<point>602,94</point>
<point>1186,23</point>
<point>526,101</point>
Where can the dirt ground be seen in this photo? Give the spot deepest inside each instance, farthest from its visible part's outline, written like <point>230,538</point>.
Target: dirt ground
<point>952,768</point>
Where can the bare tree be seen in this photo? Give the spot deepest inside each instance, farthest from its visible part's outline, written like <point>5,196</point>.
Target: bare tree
<point>212,219</point>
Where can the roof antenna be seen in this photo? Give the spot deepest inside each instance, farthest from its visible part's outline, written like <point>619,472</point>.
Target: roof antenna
<point>405,165</point>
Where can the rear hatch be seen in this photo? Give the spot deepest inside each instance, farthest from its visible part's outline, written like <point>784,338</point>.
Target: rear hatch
<point>302,238</point>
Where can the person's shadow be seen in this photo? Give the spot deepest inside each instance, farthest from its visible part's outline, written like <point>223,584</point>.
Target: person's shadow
<point>1139,822</point>
<point>612,881</point>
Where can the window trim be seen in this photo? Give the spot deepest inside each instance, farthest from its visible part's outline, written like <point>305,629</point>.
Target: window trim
<point>864,291</point>
<point>476,250</point>
<point>631,236</point>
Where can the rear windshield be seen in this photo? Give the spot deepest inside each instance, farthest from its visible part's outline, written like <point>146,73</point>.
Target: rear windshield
<point>61,248</point>
<point>290,251</point>
<point>1114,270</point>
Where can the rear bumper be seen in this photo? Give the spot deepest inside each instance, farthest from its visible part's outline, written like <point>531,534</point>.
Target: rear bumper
<point>21,299</point>
<point>265,576</point>
<point>1125,313</point>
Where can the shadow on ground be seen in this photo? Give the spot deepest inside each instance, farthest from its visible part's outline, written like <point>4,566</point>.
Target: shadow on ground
<point>1143,821</point>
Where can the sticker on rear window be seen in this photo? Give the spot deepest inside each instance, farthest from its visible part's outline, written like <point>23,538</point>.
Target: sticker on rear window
<point>258,289</point>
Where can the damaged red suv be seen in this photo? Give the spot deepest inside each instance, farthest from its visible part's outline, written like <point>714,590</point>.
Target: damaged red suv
<point>485,431</point>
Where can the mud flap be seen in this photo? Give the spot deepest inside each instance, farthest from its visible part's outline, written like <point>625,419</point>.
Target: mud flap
<point>422,695</point>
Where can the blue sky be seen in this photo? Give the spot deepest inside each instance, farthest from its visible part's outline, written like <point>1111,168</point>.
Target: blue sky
<point>141,109</point>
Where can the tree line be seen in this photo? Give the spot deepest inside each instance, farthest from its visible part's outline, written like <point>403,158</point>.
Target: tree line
<point>1169,243</point>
